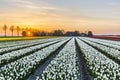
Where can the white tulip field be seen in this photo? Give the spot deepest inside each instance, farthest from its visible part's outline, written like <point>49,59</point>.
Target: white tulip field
<point>60,58</point>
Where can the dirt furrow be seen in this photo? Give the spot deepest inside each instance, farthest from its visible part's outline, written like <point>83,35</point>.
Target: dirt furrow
<point>104,53</point>
<point>42,67</point>
<point>84,74</point>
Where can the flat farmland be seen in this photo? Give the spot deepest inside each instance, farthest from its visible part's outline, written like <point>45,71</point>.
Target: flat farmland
<point>60,58</point>
<point>116,38</point>
<point>3,39</point>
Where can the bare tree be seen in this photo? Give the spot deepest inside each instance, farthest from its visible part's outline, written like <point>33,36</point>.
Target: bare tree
<point>90,33</point>
<point>18,30</point>
<point>12,29</point>
<point>5,29</point>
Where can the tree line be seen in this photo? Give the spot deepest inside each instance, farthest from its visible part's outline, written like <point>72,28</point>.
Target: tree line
<point>11,28</point>
<point>59,33</point>
<point>34,32</point>
<point>15,28</point>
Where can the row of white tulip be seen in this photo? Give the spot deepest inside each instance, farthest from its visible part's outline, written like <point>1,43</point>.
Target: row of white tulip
<point>110,51</point>
<point>63,66</point>
<point>109,41</point>
<point>16,43</point>
<point>25,45</point>
<point>99,41</point>
<point>23,42</point>
<point>23,67</point>
<point>18,53</point>
<point>100,66</point>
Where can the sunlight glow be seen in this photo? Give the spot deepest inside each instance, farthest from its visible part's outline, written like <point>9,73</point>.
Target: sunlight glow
<point>99,16</point>
<point>29,34</point>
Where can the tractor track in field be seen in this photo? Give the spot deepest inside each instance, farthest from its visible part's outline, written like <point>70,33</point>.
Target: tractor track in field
<point>42,67</point>
<point>83,70</point>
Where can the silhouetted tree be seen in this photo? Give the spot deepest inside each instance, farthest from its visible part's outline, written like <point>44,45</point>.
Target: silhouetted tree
<point>5,29</point>
<point>36,33</point>
<point>50,34</point>
<point>43,33</point>
<point>90,33</point>
<point>12,29</point>
<point>58,32</point>
<point>18,30</point>
<point>76,33</point>
<point>24,33</point>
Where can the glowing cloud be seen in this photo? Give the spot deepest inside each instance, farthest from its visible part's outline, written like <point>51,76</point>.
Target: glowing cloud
<point>100,16</point>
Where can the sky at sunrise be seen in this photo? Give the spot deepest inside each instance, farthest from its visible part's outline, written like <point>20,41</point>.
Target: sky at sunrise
<point>99,16</point>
